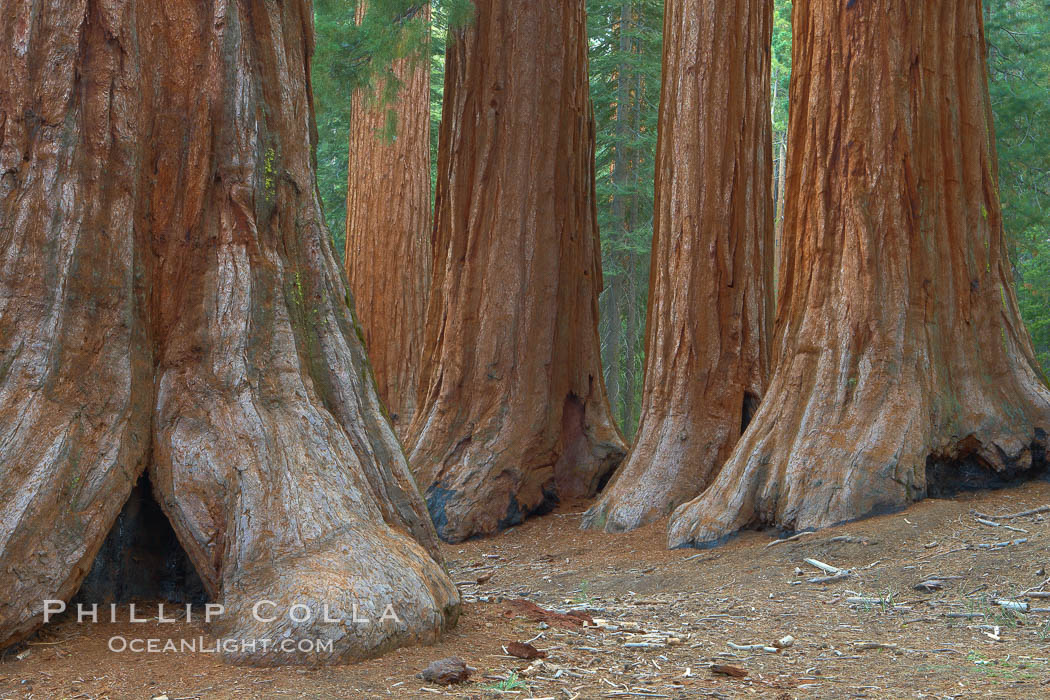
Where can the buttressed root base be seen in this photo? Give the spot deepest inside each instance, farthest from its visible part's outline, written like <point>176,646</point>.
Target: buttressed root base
<point>176,307</point>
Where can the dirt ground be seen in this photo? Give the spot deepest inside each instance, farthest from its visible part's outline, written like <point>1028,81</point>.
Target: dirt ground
<point>664,618</point>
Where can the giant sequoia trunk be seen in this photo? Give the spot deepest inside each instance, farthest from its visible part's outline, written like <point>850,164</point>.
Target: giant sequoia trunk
<point>513,412</point>
<point>710,299</point>
<point>170,302</point>
<point>388,231</point>
<point>902,359</point>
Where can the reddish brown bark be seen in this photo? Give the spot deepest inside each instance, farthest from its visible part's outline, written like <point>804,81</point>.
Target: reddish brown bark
<point>388,231</point>
<point>902,359</point>
<point>710,300</point>
<point>170,301</point>
<point>513,412</point>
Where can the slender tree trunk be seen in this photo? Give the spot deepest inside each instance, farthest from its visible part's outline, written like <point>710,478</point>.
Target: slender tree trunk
<point>903,363</point>
<point>634,353</point>
<point>513,411</point>
<point>610,301</point>
<point>638,269</point>
<point>778,231</point>
<point>388,253</point>
<point>710,304</point>
<point>170,301</point>
<point>619,286</point>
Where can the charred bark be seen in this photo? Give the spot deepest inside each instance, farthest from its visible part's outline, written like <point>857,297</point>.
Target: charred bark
<point>898,332</point>
<point>388,253</point>
<point>710,299</point>
<point>170,301</point>
<point>513,412</point>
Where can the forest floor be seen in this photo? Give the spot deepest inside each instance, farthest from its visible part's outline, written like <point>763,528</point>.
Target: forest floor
<point>664,618</point>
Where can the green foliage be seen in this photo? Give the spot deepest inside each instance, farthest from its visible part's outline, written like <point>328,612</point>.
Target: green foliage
<point>511,682</point>
<point>350,56</point>
<point>1018,36</point>
<point>438,43</point>
<point>780,72</point>
<point>625,62</point>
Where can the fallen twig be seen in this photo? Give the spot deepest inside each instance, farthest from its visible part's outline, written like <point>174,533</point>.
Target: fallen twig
<point>862,646</point>
<point>797,535</point>
<point>752,647</point>
<point>826,568</point>
<point>840,576</point>
<point>1011,516</point>
<point>1000,545</point>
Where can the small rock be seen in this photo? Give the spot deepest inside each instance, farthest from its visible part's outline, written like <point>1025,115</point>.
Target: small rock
<point>446,671</point>
<point>524,650</point>
<point>484,578</point>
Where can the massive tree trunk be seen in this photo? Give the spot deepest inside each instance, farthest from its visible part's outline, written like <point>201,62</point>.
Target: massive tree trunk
<point>710,299</point>
<point>170,301</point>
<point>902,361</point>
<point>388,231</point>
<point>513,412</point>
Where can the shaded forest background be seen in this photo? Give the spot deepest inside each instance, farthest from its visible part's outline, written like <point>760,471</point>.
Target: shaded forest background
<point>625,59</point>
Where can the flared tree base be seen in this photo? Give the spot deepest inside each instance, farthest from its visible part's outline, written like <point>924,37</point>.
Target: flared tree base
<point>797,468</point>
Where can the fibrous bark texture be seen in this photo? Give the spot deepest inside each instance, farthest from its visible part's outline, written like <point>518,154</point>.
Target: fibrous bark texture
<point>170,301</point>
<point>513,413</point>
<point>388,253</point>
<point>899,341</point>
<point>710,294</point>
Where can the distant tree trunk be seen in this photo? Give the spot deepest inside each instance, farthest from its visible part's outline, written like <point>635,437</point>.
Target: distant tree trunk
<point>618,289</point>
<point>903,363</point>
<point>637,268</point>
<point>388,231</point>
<point>710,303</point>
<point>634,344</point>
<point>610,316</point>
<point>513,412</point>
<point>778,227</point>
<point>170,301</point>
